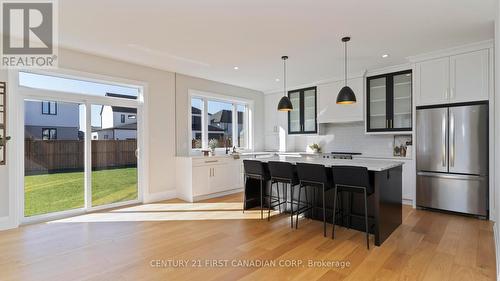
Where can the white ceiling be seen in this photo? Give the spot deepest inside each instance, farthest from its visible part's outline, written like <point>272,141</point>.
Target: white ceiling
<point>207,38</point>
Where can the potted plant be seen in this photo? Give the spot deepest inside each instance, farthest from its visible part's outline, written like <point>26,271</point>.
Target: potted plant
<point>3,141</point>
<point>315,148</point>
<point>212,144</point>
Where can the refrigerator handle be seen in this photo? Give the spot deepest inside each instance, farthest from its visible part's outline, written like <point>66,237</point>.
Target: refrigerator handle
<point>443,140</point>
<point>452,135</point>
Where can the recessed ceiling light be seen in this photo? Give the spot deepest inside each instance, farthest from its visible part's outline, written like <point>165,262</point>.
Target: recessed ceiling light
<point>385,56</point>
<point>277,79</point>
<point>236,68</point>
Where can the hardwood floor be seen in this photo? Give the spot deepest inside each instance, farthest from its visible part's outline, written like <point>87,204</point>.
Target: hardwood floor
<point>124,243</point>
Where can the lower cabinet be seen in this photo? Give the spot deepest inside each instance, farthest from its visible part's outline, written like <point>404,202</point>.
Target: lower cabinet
<point>200,178</point>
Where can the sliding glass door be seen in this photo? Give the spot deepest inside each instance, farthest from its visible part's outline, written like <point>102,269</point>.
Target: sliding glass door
<point>79,154</point>
<point>114,161</point>
<point>54,158</point>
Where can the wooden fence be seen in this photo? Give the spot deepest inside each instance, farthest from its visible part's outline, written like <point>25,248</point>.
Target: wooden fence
<point>46,156</point>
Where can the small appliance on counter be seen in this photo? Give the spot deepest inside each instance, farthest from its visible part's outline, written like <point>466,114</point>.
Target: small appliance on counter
<point>340,155</point>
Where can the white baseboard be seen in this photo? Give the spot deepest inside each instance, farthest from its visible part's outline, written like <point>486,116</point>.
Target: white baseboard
<point>407,202</point>
<point>160,196</point>
<point>497,250</point>
<point>7,223</point>
<point>218,194</point>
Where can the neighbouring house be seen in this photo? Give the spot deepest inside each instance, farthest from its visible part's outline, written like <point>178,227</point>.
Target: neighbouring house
<point>214,132</point>
<point>50,120</point>
<point>223,119</point>
<point>117,123</point>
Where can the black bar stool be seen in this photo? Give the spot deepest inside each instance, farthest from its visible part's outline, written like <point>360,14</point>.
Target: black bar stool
<point>316,176</point>
<point>286,174</point>
<point>257,170</point>
<point>352,180</point>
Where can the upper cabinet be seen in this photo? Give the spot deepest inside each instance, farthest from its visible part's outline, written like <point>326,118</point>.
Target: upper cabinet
<point>302,119</point>
<point>389,102</point>
<point>452,79</point>
<point>331,112</point>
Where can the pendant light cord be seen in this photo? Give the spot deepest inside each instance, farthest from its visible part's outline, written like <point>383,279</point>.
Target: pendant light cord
<point>284,76</point>
<point>345,62</point>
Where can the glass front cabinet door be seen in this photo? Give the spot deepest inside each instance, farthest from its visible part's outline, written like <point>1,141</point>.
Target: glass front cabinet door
<point>302,119</point>
<point>389,102</point>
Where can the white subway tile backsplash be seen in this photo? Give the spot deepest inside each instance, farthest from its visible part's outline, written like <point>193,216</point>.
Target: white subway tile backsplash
<point>349,137</point>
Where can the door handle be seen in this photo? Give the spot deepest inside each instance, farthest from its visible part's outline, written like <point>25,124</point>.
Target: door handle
<point>443,140</point>
<point>452,135</point>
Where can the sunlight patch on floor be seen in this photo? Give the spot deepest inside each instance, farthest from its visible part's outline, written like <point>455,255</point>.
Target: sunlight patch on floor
<point>159,207</point>
<point>171,212</point>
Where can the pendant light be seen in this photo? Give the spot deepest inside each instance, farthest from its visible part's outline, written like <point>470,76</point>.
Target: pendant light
<point>285,104</point>
<point>346,94</point>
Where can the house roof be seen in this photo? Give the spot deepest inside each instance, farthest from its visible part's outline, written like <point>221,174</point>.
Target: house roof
<point>120,96</point>
<point>225,116</point>
<point>124,109</point>
<point>131,126</point>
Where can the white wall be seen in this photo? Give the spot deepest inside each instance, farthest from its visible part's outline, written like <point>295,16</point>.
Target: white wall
<point>107,117</point>
<point>185,83</point>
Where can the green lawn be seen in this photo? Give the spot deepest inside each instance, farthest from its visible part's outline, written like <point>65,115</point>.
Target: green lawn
<point>64,191</point>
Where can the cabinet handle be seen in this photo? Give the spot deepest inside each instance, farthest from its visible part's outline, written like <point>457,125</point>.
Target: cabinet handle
<point>211,161</point>
<point>387,123</point>
<point>446,93</point>
<point>452,92</point>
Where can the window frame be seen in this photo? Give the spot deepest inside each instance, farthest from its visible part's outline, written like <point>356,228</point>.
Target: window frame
<point>50,130</point>
<point>234,101</point>
<point>49,104</point>
<point>301,111</point>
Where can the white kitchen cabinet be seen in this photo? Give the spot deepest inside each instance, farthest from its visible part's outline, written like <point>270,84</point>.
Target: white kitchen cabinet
<point>433,81</point>
<point>331,112</point>
<point>201,175</point>
<point>453,79</point>
<point>200,178</point>
<point>469,76</point>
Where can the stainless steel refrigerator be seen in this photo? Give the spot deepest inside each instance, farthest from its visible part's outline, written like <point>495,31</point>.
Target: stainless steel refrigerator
<point>452,158</point>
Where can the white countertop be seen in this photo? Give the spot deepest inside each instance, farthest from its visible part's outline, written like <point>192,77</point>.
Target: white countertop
<point>370,164</point>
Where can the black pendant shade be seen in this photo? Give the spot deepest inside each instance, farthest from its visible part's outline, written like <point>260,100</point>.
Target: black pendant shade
<point>285,104</point>
<point>346,96</point>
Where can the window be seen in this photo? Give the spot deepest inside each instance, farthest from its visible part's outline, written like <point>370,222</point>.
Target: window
<point>49,108</point>
<point>224,122</point>
<point>123,118</point>
<point>49,134</point>
<point>74,85</point>
<point>302,119</point>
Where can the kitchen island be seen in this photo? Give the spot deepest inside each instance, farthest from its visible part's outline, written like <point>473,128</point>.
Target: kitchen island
<point>384,205</point>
